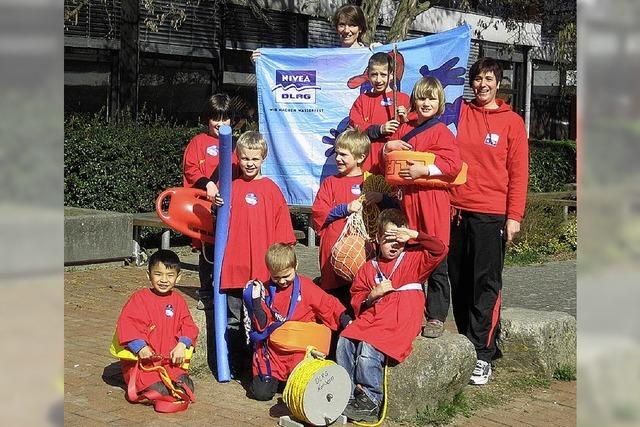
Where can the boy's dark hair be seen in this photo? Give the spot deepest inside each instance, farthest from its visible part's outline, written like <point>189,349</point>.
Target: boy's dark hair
<point>218,107</point>
<point>382,58</point>
<point>484,65</point>
<point>353,15</point>
<point>168,258</point>
<point>394,216</point>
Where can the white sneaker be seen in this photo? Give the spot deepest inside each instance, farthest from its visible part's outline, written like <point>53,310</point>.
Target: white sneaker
<point>481,373</point>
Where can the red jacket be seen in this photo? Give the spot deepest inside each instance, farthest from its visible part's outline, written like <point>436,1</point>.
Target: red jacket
<point>494,144</point>
<point>334,191</point>
<point>199,163</point>
<point>393,321</point>
<point>314,305</point>
<point>374,110</point>
<point>259,218</point>
<point>428,209</point>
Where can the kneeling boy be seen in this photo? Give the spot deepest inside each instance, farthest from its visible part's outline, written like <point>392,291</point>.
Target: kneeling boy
<point>388,301</point>
<point>156,325</point>
<point>285,297</point>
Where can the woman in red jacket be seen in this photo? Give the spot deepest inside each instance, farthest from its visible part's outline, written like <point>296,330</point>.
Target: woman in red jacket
<point>487,210</point>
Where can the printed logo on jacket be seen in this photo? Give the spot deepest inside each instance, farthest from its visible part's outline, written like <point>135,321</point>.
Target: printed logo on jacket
<point>251,199</point>
<point>212,150</point>
<point>295,86</point>
<point>168,310</point>
<point>492,139</point>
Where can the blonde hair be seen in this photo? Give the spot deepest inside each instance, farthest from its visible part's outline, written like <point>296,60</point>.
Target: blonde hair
<point>252,140</point>
<point>280,256</point>
<point>428,86</point>
<point>356,142</point>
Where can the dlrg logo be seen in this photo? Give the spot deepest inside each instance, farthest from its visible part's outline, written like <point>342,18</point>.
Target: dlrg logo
<point>295,86</point>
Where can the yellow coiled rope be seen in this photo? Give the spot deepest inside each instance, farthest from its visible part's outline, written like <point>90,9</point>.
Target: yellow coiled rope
<point>293,394</point>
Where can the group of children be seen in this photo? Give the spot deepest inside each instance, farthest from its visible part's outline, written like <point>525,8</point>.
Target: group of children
<point>381,312</point>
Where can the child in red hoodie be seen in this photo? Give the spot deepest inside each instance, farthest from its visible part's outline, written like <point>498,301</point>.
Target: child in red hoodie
<point>488,210</point>
<point>200,170</point>
<point>427,207</point>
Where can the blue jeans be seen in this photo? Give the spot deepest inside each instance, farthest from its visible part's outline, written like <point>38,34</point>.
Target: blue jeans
<point>364,364</point>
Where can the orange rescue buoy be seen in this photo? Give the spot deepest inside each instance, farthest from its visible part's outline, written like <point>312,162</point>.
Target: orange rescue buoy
<point>188,212</point>
<point>396,160</point>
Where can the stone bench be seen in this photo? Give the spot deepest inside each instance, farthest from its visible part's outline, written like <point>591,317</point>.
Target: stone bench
<point>537,342</point>
<point>96,236</point>
<point>533,342</point>
<point>435,372</point>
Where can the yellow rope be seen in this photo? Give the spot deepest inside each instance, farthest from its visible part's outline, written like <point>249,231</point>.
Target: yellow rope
<point>293,394</point>
<point>384,405</point>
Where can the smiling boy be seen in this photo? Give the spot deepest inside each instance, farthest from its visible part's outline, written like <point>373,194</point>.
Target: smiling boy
<point>259,217</point>
<point>156,322</point>
<point>338,197</point>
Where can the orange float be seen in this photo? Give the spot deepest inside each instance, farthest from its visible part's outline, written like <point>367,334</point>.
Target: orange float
<point>396,160</point>
<point>348,255</point>
<point>294,336</point>
<point>188,212</point>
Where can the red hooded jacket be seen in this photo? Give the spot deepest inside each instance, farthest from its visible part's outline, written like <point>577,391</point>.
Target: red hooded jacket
<point>495,145</point>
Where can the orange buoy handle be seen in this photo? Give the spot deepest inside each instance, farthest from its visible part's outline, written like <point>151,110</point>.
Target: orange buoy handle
<point>188,212</point>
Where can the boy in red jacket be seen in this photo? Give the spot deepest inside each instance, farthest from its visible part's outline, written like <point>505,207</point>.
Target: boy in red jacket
<point>373,112</point>
<point>156,322</point>
<point>428,207</point>
<point>259,217</point>
<point>200,170</point>
<point>337,198</point>
<point>388,301</point>
<point>294,298</point>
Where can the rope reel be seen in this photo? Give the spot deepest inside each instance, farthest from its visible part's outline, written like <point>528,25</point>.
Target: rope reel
<point>317,391</point>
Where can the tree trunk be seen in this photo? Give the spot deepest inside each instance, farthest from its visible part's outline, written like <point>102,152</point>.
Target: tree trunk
<point>371,9</point>
<point>406,13</point>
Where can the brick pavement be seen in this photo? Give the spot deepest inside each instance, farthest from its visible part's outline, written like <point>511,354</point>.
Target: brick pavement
<point>94,393</point>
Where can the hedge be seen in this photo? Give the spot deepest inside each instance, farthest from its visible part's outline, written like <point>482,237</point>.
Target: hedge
<point>552,164</point>
<point>123,167</point>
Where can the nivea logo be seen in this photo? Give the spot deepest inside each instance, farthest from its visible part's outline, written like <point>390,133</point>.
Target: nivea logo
<point>295,86</point>
<point>297,78</point>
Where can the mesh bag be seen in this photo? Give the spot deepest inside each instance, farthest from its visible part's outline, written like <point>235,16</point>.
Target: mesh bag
<point>352,247</point>
<point>371,211</point>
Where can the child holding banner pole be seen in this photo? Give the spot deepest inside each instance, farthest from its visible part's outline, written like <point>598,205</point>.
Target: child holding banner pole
<point>374,112</point>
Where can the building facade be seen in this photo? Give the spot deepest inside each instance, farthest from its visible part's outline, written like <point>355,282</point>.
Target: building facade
<point>123,56</point>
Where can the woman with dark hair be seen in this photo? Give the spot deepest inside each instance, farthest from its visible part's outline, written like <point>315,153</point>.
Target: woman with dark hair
<point>351,26</point>
<point>487,210</point>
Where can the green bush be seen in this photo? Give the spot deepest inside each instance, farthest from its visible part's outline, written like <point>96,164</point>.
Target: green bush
<point>552,164</point>
<point>544,233</point>
<point>121,167</point>
<point>124,166</point>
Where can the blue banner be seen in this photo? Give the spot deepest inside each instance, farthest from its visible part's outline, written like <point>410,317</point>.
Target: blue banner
<point>304,98</point>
